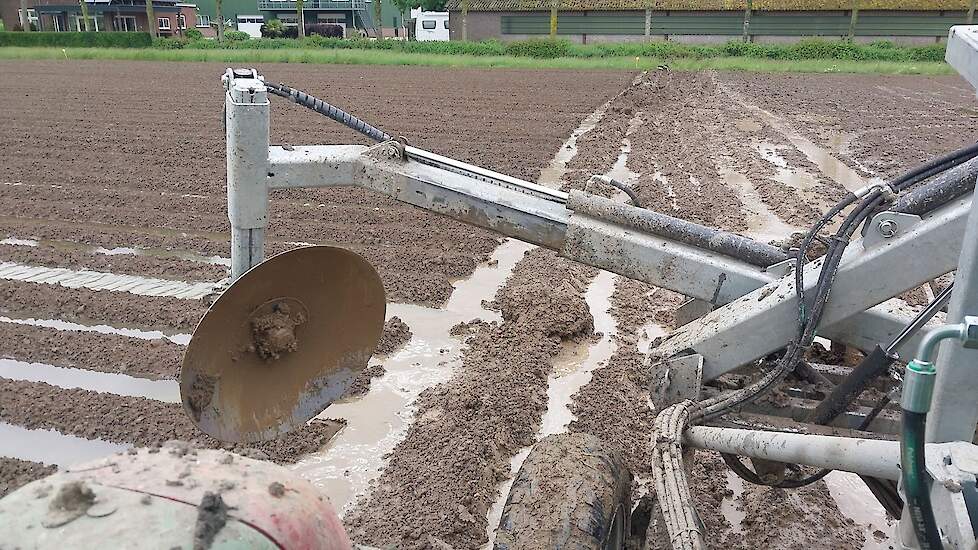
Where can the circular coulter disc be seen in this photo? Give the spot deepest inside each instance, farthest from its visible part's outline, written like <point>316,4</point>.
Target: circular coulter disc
<point>282,343</point>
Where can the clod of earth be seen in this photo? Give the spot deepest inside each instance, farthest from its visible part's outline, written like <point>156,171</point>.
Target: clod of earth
<point>212,515</point>
<point>274,332</point>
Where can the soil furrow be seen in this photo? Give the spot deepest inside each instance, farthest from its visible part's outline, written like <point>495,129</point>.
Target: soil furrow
<point>155,359</point>
<point>134,420</point>
<point>472,425</point>
<point>119,309</point>
<point>15,473</point>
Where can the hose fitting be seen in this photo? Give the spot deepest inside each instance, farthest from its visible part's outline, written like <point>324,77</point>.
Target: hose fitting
<point>918,386</point>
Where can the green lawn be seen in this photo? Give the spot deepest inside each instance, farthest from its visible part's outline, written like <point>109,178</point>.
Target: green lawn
<point>383,57</point>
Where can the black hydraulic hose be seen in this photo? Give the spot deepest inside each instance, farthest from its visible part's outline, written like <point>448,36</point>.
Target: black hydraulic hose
<point>950,185</point>
<point>915,484</point>
<point>326,109</point>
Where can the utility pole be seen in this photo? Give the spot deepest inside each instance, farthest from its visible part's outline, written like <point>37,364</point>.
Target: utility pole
<point>220,20</point>
<point>465,20</point>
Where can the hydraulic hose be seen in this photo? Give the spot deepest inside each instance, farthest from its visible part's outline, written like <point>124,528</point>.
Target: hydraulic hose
<point>323,108</point>
<point>915,484</point>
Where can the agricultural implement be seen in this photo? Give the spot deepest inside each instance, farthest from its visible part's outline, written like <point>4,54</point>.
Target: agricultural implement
<point>288,335</point>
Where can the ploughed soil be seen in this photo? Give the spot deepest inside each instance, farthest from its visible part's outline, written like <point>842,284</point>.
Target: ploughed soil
<point>15,473</point>
<point>471,425</point>
<point>725,150</point>
<point>141,422</point>
<point>114,172</point>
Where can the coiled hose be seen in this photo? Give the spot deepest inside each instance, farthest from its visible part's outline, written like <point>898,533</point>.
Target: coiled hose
<point>323,108</point>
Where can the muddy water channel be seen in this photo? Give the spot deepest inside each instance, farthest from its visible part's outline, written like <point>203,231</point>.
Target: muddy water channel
<point>378,421</point>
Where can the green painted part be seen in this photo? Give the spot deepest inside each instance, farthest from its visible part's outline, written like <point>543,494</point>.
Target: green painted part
<point>733,24</point>
<point>231,9</point>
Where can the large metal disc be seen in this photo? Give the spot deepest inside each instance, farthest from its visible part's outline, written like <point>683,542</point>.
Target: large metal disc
<point>282,343</point>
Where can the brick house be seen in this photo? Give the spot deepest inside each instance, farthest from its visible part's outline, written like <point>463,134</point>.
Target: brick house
<point>172,17</point>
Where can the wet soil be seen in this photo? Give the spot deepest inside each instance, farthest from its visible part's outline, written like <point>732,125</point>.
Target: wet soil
<point>112,308</point>
<point>16,473</point>
<point>876,124</point>
<point>396,334</point>
<point>133,420</point>
<point>472,424</point>
<point>125,264</point>
<point>155,359</point>
<point>179,184</point>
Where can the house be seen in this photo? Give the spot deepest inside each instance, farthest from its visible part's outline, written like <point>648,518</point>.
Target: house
<point>355,16</point>
<point>708,21</point>
<point>172,17</point>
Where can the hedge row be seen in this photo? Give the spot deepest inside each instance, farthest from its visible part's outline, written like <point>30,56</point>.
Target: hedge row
<point>77,39</point>
<point>546,48</point>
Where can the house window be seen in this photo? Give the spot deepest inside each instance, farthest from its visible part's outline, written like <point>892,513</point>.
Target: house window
<point>203,20</point>
<point>181,21</point>
<point>124,23</point>
<point>31,17</point>
<point>164,23</point>
<point>428,25</point>
<point>445,22</point>
<point>80,23</point>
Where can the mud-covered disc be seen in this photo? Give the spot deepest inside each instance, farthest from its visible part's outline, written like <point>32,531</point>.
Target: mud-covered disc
<point>282,343</point>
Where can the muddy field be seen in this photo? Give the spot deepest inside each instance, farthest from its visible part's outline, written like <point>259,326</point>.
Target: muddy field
<point>102,173</point>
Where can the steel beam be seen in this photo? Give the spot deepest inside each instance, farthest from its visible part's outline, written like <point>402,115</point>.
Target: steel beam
<point>868,457</point>
<point>542,219</point>
<point>246,127</point>
<point>954,410</point>
<point>760,323</point>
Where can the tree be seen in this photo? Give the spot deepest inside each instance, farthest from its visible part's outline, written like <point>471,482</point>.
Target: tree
<point>433,5</point>
<point>154,25</point>
<point>378,22</point>
<point>300,17</point>
<point>404,7</point>
<point>25,21</point>
<point>465,20</point>
<point>220,21</point>
<point>84,12</point>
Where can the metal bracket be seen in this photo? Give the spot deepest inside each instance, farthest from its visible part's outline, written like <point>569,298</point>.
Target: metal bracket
<point>781,269</point>
<point>691,310</point>
<point>683,378</point>
<point>886,225</point>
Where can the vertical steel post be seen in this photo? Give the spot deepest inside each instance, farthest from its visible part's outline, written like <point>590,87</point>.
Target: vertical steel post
<point>246,120</point>
<point>954,410</point>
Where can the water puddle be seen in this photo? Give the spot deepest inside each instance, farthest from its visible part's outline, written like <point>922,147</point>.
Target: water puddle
<point>572,371</point>
<point>826,162</point>
<point>552,176</point>
<point>13,241</point>
<point>379,420</point>
<point>856,501</point>
<point>762,223</point>
<point>98,280</point>
<point>58,324</point>
<point>119,250</point>
<point>729,507</point>
<point>167,391</point>
<point>51,447</point>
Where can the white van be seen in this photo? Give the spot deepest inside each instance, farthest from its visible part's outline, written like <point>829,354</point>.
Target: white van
<point>430,26</point>
<point>250,24</point>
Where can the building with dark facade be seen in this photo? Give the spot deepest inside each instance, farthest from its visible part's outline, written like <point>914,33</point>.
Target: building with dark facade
<point>706,21</point>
